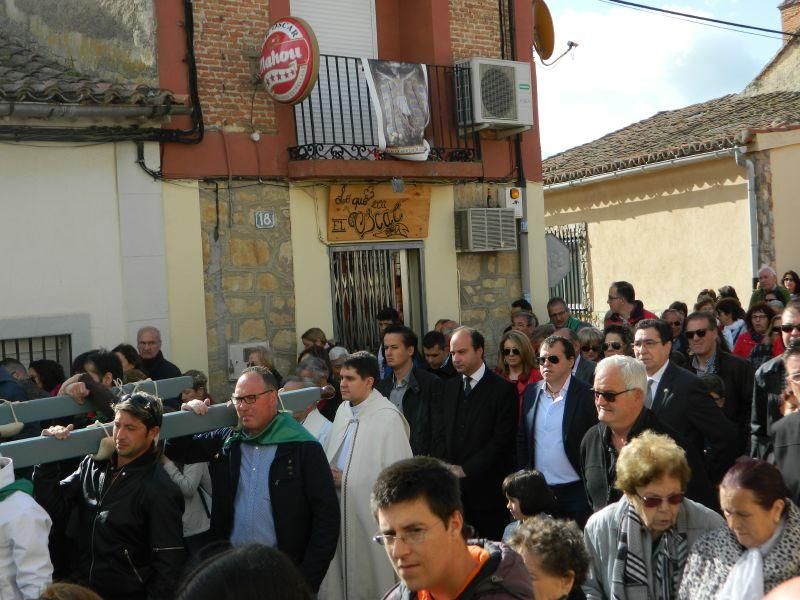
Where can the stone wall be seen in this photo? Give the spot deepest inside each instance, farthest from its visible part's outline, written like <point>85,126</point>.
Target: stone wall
<point>248,276</point>
<point>764,207</point>
<point>489,281</point>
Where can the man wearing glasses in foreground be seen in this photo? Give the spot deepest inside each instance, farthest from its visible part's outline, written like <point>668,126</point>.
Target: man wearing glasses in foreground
<point>273,485</point>
<point>417,504</point>
<point>619,391</point>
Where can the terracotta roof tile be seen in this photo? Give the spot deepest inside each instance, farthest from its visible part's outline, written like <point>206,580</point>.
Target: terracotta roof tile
<point>26,76</point>
<point>704,127</point>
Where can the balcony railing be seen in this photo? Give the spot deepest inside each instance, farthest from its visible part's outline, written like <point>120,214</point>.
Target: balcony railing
<point>337,120</point>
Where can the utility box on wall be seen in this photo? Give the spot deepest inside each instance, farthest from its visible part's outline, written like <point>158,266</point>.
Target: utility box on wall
<point>239,357</point>
<point>485,230</point>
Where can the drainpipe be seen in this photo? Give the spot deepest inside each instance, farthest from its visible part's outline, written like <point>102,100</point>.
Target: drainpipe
<point>745,161</point>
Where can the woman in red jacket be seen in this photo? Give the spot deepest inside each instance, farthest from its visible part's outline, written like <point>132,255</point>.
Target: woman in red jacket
<point>756,344</point>
<point>516,363</point>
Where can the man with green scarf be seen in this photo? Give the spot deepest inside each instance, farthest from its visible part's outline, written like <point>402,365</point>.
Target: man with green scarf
<point>25,568</point>
<point>272,482</point>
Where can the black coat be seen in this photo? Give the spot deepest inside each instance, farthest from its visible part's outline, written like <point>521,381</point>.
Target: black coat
<point>305,508</point>
<point>786,435</point>
<point>421,400</point>
<point>477,433</point>
<point>126,525</point>
<point>768,384</point>
<point>737,373</point>
<point>680,402</point>
<point>585,371</point>
<point>446,371</point>
<point>599,458</point>
<point>159,367</point>
<point>580,415</point>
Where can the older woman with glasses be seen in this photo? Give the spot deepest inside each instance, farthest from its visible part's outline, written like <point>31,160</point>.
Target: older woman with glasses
<point>515,361</point>
<point>591,341</point>
<point>617,340</point>
<point>639,545</point>
<point>760,547</point>
<point>756,344</point>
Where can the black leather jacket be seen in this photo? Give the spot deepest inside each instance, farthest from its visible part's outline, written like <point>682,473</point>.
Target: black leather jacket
<point>125,524</point>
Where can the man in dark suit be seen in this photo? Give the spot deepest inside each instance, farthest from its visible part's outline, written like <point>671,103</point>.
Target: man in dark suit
<point>416,392</point>
<point>477,430</point>
<point>786,431</point>
<point>556,414</point>
<point>678,399</point>
<point>437,355</point>
<point>736,373</point>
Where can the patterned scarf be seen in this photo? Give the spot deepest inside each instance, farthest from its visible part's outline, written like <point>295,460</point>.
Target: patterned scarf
<point>630,568</point>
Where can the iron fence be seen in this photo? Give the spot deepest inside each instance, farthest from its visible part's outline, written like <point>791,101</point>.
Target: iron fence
<point>337,120</point>
<point>574,288</point>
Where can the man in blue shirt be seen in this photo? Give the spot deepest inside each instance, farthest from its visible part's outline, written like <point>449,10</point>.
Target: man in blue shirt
<point>273,485</point>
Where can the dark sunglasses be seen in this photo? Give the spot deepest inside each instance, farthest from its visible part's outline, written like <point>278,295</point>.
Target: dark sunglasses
<point>655,502</point>
<point>507,351</point>
<point>701,333</point>
<point>614,345</point>
<point>554,360</point>
<point>590,348</point>
<point>788,327</point>
<point>609,396</point>
<point>675,323</point>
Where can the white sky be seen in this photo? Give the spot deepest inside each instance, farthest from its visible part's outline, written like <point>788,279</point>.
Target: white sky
<point>631,64</point>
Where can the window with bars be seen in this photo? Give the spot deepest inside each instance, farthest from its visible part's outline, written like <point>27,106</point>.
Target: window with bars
<point>51,347</point>
<point>574,288</point>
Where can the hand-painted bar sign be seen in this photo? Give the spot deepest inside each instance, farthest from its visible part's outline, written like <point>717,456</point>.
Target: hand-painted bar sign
<point>289,60</point>
<point>369,212</point>
<point>265,219</point>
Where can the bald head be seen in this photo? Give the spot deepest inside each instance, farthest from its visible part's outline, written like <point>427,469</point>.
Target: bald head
<point>788,590</point>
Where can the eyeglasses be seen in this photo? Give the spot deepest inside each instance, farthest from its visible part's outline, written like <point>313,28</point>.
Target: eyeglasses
<point>609,396</point>
<point>412,537</point>
<point>793,377</point>
<point>614,345</point>
<point>789,327</point>
<point>249,398</point>
<point>785,279</point>
<point>701,333</point>
<point>656,501</point>
<point>675,323</point>
<point>646,343</point>
<point>507,351</point>
<point>557,315</point>
<point>590,348</point>
<point>553,360</point>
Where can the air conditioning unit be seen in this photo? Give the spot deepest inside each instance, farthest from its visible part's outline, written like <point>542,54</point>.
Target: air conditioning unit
<point>485,230</point>
<point>493,94</point>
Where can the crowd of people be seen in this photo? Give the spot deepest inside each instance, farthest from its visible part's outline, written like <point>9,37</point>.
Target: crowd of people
<point>655,457</point>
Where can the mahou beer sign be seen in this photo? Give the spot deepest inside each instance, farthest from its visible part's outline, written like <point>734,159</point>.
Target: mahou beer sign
<point>289,60</point>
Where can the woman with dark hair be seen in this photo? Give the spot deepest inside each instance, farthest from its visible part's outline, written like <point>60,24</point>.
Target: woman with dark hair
<point>515,362</point>
<point>756,344</point>
<point>731,316</point>
<point>681,307</point>
<point>555,555</point>
<point>760,547</point>
<point>791,281</point>
<point>48,375</point>
<point>252,572</point>
<point>132,365</point>
<point>617,339</point>
<point>528,495</point>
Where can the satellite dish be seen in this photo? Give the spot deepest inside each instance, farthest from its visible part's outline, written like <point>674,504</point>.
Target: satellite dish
<point>558,260</point>
<point>544,37</point>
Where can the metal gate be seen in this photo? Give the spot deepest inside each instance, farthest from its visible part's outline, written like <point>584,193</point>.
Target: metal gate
<point>366,279</point>
<point>574,288</point>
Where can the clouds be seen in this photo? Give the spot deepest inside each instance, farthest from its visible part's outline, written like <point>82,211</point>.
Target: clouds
<point>630,64</point>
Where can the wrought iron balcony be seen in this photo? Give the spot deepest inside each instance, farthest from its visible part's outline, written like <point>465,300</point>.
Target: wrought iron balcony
<point>337,120</point>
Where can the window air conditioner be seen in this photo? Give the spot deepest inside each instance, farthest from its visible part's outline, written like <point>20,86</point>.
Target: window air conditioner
<point>493,94</point>
<point>485,230</point>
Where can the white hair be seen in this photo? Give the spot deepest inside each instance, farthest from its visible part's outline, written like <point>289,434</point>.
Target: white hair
<point>633,372</point>
<point>149,328</point>
<point>768,269</point>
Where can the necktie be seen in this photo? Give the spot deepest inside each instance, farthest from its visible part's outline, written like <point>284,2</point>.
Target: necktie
<point>467,385</point>
<point>649,399</point>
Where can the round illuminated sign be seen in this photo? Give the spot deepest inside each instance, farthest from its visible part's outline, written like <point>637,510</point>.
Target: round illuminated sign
<point>289,60</point>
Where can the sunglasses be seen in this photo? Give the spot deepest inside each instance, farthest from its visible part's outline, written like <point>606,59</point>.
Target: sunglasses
<point>701,333</point>
<point>789,327</point>
<point>614,345</point>
<point>675,323</point>
<point>514,351</point>
<point>655,501</point>
<point>553,360</point>
<point>590,348</point>
<point>609,396</point>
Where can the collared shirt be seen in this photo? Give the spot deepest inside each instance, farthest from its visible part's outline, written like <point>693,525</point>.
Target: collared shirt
<point>346,447</point>
<point>578,359</point>
<point>475,377</point>
<point>656,378</point>
<point>253,522</point>
<point>399,388</point>
<point>710,367</point>
<point>551,458</point>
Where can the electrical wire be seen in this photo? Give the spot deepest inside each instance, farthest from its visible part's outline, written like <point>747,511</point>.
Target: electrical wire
<point>706,20</point>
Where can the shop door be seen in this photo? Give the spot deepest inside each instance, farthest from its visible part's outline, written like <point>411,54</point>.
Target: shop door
<point>366,279</point>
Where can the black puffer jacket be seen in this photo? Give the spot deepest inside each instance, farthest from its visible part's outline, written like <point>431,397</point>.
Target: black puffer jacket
<point>502,577</point>
<point>125,523</point>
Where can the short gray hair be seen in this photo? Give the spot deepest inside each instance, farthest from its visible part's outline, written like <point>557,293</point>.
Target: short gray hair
<point>315,366</point>
<point>768,269</point>
<point>633,372</point>
<point>149,328</point>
